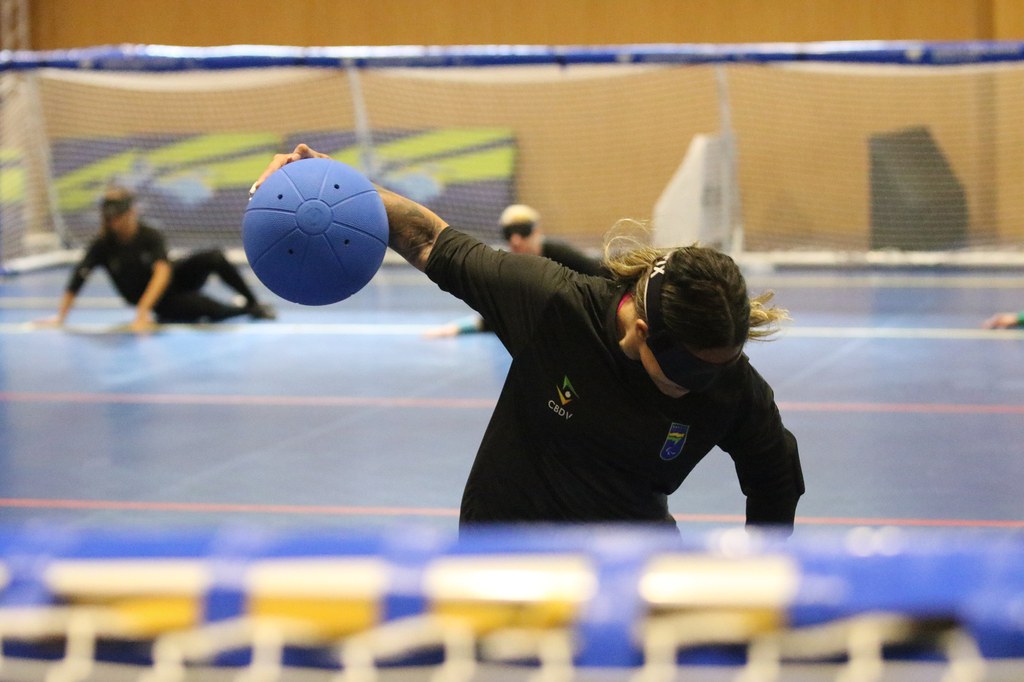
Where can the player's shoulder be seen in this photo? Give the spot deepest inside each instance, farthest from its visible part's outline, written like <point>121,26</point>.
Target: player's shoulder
<point>742,383</point>
<point>593,297</point>
<point>149,231</point>
<point>151,236</point>
<point>573,257</point>
<point>554,248</point>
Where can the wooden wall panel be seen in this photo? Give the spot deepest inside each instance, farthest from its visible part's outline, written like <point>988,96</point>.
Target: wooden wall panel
<point>1007,20</point>
<point>76,23</point>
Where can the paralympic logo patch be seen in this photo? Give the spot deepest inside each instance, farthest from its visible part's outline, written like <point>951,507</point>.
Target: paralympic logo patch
<point>674,441</point>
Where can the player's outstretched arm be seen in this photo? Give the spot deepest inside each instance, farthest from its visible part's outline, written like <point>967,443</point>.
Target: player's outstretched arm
<point>412,227</point>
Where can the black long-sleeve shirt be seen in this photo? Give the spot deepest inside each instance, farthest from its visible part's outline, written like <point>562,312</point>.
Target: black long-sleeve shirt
<point>130,264</point>
<point>580,432</point>
<point>571,257</point>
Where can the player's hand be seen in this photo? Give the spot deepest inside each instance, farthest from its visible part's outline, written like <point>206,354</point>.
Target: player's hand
<point>443,332</point>
<point>1001,321</point>
<point>142,325</point>
<point>471,324</point>
<point>54,322</point>
<point>301,151</point>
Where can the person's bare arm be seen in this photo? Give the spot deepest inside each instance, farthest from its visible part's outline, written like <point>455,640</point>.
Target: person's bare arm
<point>154,290</point>
<point>412,228</point>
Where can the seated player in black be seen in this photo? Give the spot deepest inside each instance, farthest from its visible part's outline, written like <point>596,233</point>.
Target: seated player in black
<point>135,256</point>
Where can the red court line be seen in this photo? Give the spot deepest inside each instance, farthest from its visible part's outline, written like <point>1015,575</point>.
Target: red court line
<point>455,403</point>
<point>932,523</point>
<point>339,510</point>
<point>859,521</point>
<point>933,408</point>
<point>206,507</point>
<point>222,399</point>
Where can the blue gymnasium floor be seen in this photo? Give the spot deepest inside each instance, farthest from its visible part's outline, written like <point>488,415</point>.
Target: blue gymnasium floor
<point>907,412</point>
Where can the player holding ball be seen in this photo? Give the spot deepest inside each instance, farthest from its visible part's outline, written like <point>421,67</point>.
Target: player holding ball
<point>618,387</point>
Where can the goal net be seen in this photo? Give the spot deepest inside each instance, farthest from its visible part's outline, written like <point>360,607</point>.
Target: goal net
<point>821,151</point>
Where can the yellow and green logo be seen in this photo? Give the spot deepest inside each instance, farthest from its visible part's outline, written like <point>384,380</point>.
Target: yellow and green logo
<point>566,394</point>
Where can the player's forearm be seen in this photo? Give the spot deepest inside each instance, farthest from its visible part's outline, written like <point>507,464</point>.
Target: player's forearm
<point>66,302</point>
<point>412,228</point>
<point>158,284</point>
<point>777,512</point>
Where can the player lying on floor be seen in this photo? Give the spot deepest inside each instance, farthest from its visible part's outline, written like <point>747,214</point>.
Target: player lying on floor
<point>135,256</point>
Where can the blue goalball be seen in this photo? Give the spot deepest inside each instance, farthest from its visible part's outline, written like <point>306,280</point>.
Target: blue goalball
<point>315,231</point>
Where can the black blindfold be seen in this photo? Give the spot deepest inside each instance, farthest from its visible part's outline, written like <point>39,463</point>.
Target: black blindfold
<point>112,208</point>
<point>677,363</point>
<point>522,229</point>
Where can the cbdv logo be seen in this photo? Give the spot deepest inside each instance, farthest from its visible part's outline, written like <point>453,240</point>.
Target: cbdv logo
<point>566,394</point>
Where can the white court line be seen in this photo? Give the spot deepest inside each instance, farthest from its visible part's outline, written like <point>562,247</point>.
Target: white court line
<point>352,329</point>
<point>903,333</point>
<point>263,328</point>
<point>52,303</point>
<point>883,281</point>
